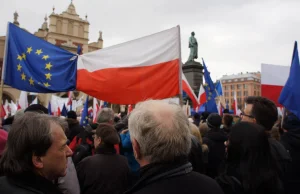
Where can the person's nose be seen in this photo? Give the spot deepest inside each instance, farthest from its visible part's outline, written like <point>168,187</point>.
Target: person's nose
<point>69,152</point>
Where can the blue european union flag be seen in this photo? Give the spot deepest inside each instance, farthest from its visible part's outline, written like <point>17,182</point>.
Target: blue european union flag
<point>64,111</point>
<point>84,116</point>
<point>210,91</point>
<point>290,94</point>
<point>35,65</point>
<point>219,88</point>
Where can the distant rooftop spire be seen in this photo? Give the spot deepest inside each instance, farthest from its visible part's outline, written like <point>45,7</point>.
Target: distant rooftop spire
<point>71,8</point>
<point>45,24</point>
<point>53,9</point>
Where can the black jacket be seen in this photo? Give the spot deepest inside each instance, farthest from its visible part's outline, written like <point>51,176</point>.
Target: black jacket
<point>27,183</point>
<point>196,156</point>
<point>215,139</point>
<point>291,141</point>
<point>105,172</point>
<point>176,177</point>
<point>74,128</point>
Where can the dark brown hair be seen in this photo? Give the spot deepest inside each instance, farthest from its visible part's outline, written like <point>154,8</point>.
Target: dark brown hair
<point>30,135</point>
<point>264,111</point>
<point>108,134</point>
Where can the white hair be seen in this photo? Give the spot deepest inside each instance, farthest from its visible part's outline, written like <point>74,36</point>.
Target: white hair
<point>161,129</point>
<point>105,115</point>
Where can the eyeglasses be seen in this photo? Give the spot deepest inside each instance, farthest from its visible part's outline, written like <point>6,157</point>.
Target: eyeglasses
<point>243,114</point>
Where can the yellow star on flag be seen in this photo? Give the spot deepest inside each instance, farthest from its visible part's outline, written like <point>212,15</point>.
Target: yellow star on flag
<point>29,49</point>
<point>19,67</point>
<point>23,76</point>
<point>48,66</point>
<point>24,56</point>
<point>31,81</point>
<point>20,57</point>
<point>83,122</point>
<point>39,51</point>
<point>48,76</point>
<point>46,84</point>
<point>86,117</point>
<point>45,57</point>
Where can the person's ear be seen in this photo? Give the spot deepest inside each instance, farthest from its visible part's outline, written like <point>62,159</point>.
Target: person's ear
<point>136,149</point>
<point>37,162</point>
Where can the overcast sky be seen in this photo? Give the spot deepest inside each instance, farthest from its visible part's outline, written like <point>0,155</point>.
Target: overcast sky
<point>234,35</point>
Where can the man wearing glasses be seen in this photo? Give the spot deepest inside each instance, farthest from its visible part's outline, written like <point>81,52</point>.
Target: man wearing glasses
<point>264,112</point>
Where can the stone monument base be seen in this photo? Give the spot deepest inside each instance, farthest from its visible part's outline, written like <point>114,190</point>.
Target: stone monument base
<point>193,72</point>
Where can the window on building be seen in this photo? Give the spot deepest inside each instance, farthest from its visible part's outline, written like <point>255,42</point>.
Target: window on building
<point>239,86</point>
<point>232,93</point>
<point>239,93</point>
<point>232,87</point>
<point>245,86</point>
<point>254,93</point>
<point>246,93</point>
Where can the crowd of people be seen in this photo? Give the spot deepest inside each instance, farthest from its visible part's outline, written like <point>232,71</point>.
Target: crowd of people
<point>155,149</point>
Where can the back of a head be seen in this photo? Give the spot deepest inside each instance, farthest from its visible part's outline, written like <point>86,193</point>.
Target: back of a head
<point>195,132</point>
<point>263,110</point>
<point>37,108</point>
<point>196,116</point>
<point>108,134</point>
<point>32,132</point>
<point>214,121</point>
<point>250,153</point>
<point>226,111</point>
<point>203,129</point>
<point>105,115</point>
<point>227,120</point>
<point>161,129</point>
<point>72,115</point>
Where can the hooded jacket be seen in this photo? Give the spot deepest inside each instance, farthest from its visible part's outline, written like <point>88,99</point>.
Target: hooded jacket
<point>215,139</point>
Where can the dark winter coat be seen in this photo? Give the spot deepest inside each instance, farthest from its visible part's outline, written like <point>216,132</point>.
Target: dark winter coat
<point>74,128</point>
<point>176,177</point>
<point>291,141</point>
<point>27,183</point>
<point>215,139</point>
<point>105,172</point>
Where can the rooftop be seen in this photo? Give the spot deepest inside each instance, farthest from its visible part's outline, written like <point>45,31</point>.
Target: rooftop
<point>255,75</point>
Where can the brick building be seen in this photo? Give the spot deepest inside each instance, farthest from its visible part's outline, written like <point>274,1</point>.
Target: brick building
<point>244,84</point>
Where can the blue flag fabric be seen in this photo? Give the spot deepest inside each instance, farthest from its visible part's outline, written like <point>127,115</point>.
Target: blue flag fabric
<point>290,94</point>
<point>64,111</point>
<point>84,116</point>
<point>210,91</point>
<point>35,65</point>
<point>219,88</point>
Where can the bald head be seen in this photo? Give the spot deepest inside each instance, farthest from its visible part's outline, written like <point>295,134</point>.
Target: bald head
<point>161,130</point>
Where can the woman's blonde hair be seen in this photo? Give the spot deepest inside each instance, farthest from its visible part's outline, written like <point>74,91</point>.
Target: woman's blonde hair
<point>195,131</point>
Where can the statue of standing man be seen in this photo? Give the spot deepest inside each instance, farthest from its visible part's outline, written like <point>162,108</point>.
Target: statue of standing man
<point>193,45</point>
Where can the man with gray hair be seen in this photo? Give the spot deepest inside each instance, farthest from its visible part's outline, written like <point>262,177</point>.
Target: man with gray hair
<point>161,143</point>
<point>36,154</point>
<point>105,115</point>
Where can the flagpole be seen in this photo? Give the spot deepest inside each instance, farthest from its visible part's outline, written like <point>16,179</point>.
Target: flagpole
<point>180,68</point>
<point>4,66</point>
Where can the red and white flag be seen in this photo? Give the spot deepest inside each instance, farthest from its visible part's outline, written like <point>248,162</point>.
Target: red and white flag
<point>273,78</point>
<point>3,112</point>
<point>188,90</point>
<point>70,93</point>
<point>23,101</point>
<point>234,105</point>
<point>201,96</point>
<point>130,109</point>
<point>96,109</point>
<point>141,69</point>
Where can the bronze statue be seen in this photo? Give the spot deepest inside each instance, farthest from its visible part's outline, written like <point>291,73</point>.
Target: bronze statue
<point>193,45</point>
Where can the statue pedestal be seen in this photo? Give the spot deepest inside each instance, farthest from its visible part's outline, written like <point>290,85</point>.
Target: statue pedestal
<point>193,72</point>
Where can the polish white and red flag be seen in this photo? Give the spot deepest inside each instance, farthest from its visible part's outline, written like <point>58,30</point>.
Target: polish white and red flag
<point>96,109</point>
<point>141,69</point>
<point>273,78</point>
<point>235,106</point>
<point>189,91</point>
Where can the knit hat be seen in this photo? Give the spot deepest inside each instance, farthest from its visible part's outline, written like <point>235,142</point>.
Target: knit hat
<point>72,115</point>
<point>108,134</point>
<point>37,108</point>
<point>291,122</point>
<point>214,121</point>
<point>3,139</point>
